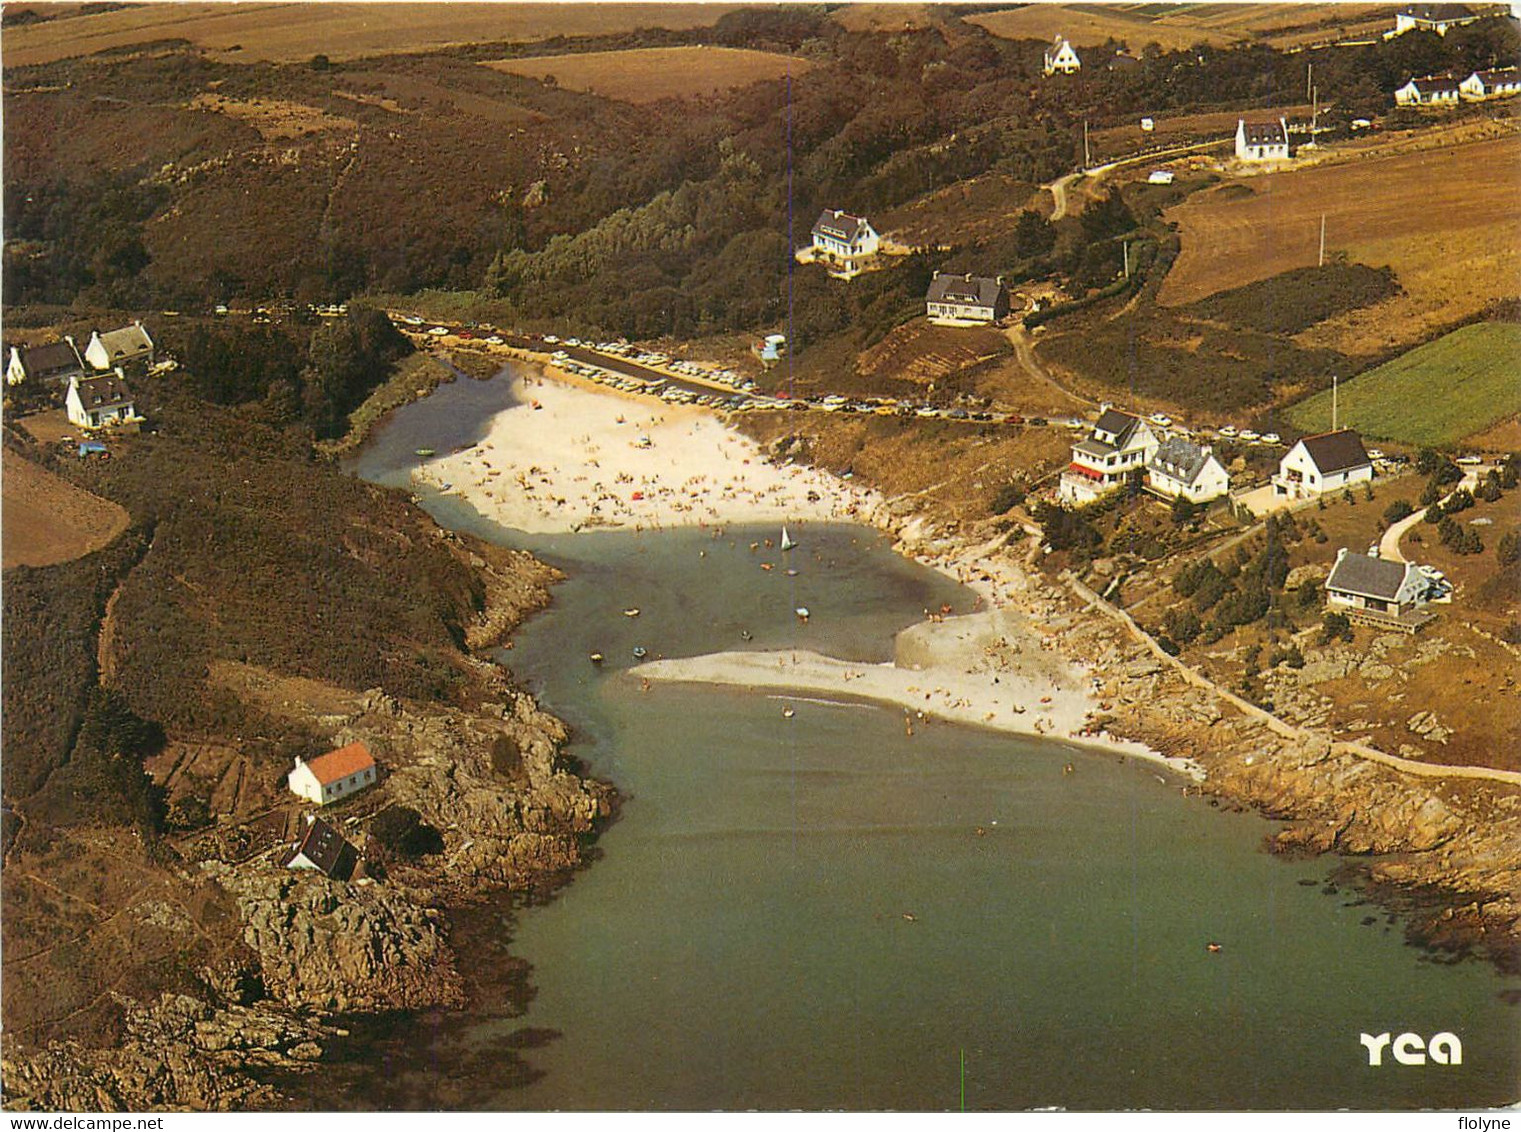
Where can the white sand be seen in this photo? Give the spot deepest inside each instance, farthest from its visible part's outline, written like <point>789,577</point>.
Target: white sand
<point>572,455</point>
<point>578,460</point>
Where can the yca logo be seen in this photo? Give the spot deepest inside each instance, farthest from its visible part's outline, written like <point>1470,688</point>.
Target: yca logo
<point>1411,1049</point>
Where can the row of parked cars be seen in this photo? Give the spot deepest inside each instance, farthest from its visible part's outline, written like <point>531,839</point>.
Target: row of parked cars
<point>671,394</point>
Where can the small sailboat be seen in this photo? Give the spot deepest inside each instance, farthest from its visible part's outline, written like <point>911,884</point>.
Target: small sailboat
<point>787,542</point>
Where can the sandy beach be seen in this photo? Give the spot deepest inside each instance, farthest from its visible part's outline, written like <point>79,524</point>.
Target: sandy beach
<point>571,457</point>
<point>978,669</point>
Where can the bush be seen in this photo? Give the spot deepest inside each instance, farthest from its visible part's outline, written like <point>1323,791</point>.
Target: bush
<point>1490,490</point>
<point>1460,500</point>
<point>402,832</point>
<point>1334,626</point>
<point>1181,625</point>
<point>1210,591</point>
<point>1008,497</point>
<point>1509,548</point>
<point>1399,509</point>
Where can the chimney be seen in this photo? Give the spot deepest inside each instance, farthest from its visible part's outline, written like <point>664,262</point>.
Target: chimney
<point>1340,554</point>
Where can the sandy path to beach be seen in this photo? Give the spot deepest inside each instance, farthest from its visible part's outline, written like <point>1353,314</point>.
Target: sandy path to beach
<point>571,457</point>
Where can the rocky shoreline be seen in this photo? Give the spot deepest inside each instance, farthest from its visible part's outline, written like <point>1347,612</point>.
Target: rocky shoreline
<point>1440,851</point>
<point>513,815</point>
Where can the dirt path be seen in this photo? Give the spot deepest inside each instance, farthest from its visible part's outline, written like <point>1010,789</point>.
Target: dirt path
<point>1024,353</point>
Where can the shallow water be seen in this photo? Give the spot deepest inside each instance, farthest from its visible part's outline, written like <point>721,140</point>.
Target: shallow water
<point>802,913</point>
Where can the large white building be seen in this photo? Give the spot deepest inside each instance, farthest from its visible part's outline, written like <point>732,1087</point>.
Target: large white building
<point>1432,17</point>
<point>333,776</point>
<point>1265,140</point>
<point>1120,444</point>
<point>1373,591</point>
<point>95,402</point>
<point>1182,468</point>
<point>1061,58</point>
<point>844,243</point>
<point>1326,462</point>
<point>1432,90</point>
<point>126,348</point>
<point>1491,84</point>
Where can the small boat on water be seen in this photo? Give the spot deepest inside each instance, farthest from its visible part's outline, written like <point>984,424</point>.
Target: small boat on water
<point>802,612</point>
<point>631,611</point>
<point>791,573</point>
<point>640,652</point>
<point>787,542</point>
<point>424,452</point>
<point>746,635</point>
<point>788,713</point>
<point>596,658</point>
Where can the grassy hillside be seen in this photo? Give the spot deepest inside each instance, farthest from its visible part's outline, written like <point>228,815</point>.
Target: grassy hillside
<point>1434,395</point>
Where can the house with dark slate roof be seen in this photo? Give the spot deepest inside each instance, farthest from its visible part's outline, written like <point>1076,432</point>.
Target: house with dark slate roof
<point>844,243</point>
<point>323,848</point>
<point>1120,444</point>
<point>1433,90</point>
<point>1374,591</point>
<point>1433,17</point>
<point>1262,140</point>
<point>96,402</point>
<point>961,299</point>
<point>1182,468</point>
<point>1325,462</point>
<point>54,361</point>
<point>127,348</point>
<point>1491,84</point>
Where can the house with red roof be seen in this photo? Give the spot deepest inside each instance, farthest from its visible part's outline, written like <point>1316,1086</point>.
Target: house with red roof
<point>333,776</point>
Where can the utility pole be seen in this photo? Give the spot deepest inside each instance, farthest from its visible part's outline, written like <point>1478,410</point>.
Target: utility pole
<point>1322,262</point>
<point>1333,402</point>
<point>1126,246</point>
<point>1087,157</point>
<point>1309,73</point>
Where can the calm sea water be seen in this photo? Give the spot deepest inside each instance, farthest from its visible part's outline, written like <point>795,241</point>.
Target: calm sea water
<point>823,912</point>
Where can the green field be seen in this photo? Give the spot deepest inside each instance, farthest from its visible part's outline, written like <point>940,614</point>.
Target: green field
<point>1436,394</point>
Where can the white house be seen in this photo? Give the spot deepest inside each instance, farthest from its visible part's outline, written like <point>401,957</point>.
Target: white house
<point>1491,84</point>
<point>94,402</point>
<point>1371,590</point>
<point>335,775</point>
<point>54,361</point>
<point>1262,140</point>
<point>1120,443</point>
<point>323,848</point>
<point>127,347</point>
<point>844,242</point>
<point>1432,17</point>
<point>1432,90</point>
<point>956,299</point>
<point>1061,58</point>
<point>1180,467</point>
<point>1322,463</point>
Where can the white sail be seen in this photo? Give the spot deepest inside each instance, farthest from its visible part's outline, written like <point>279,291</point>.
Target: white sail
<point>787,543</point>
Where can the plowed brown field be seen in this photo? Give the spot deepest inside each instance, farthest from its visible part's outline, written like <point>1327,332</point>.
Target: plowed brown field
<point>48,520</point>
<point>1443,219</point>
<point>293,32</point>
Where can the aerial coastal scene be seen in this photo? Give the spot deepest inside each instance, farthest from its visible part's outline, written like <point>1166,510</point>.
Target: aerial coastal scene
<point>728,557</point>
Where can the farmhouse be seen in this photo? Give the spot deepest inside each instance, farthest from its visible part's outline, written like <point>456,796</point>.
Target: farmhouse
<point>959,299</point>
<point>1262,140</point>
<point>1372,591</point>
<point>1182,468</point>
<point>1491,84</point>
<point>126,348</point>
<point>94,402</point>
<point>1433,90</point>
<point>1322,463</point>
<point>337,774</point>
<point>1121,443</point>
<point>1061,58</point>
<point>844,242</point>
<point>1432,17</point>
<point>323,848</point>
<point>56,361</point>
